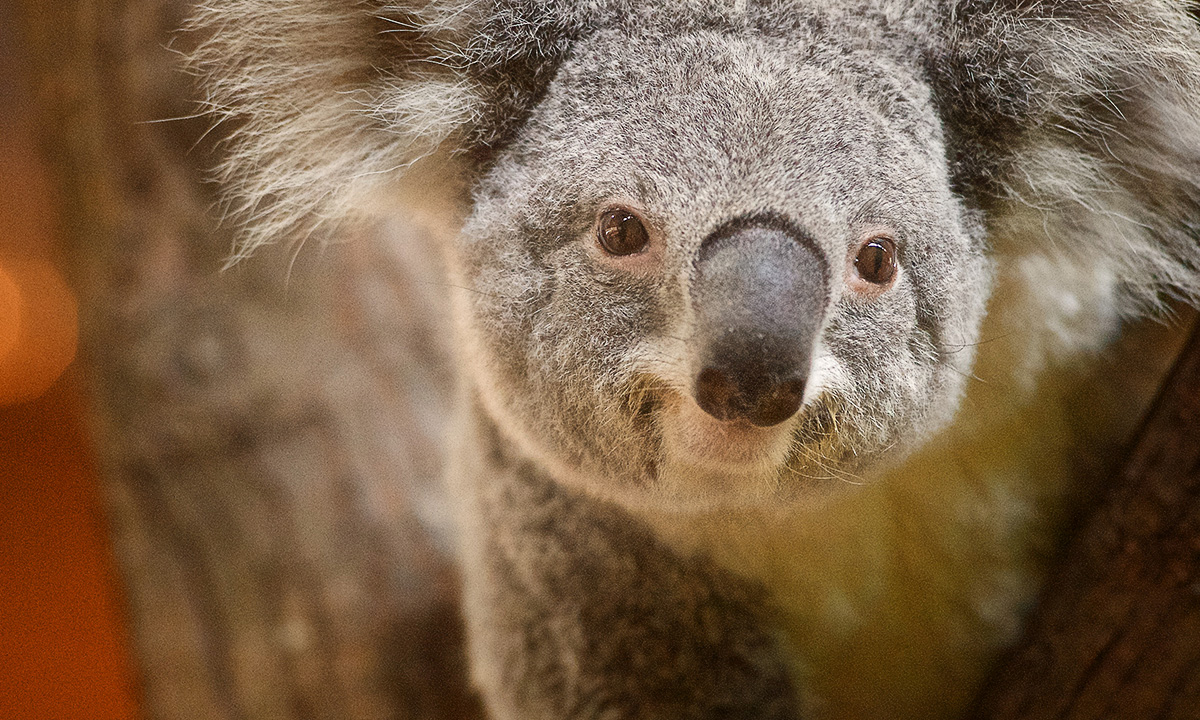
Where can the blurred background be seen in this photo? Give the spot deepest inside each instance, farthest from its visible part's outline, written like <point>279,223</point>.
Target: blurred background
<point>63,650</point>
<point>255,453</point>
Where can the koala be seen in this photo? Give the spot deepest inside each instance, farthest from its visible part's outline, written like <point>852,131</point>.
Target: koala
<point>786,330</point>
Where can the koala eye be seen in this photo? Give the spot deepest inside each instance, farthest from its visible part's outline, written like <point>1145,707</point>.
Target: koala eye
<point>621,232</point>
<point>876,260</point>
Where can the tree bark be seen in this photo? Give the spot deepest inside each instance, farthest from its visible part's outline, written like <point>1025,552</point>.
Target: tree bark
<point>1117,634</point>
<point>268,434</point>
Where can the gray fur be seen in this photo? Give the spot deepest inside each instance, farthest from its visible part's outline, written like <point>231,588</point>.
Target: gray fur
<point>582,614</point>
<point>982,135</point>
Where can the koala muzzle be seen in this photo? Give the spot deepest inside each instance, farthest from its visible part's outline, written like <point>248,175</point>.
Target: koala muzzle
<point>760,295</point>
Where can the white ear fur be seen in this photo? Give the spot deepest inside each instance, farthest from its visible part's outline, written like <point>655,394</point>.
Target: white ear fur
<point>1107,171</point>
<point>329,101</point>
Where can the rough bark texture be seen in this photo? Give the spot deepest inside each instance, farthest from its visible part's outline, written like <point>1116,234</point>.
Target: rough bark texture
<point>1117,636</point>
<point>267,433</point>
<point>269,444</point>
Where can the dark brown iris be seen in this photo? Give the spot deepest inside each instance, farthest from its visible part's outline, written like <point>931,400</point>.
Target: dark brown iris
<point>876,261</point>
<point>622,233</point>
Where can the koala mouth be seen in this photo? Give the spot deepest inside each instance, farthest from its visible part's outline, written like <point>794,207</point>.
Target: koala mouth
<point>693,437</point>
<point>702,456</point>
<point>695,454</point>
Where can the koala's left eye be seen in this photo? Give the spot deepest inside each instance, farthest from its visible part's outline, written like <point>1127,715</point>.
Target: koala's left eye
<point>876,260</point>
<point>621,232</point>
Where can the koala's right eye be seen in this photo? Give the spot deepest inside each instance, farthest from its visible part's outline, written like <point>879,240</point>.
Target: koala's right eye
<point>621,232</point>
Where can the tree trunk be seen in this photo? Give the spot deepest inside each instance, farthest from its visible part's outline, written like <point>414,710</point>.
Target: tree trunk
<point>1117,635</point>
<point>269,441</point>
<point>268,433</point>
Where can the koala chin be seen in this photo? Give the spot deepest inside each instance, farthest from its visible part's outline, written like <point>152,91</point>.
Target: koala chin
<point>783,325</point>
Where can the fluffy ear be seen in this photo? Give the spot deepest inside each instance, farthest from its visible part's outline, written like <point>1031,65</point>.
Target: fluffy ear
<point>1075,125</point>
<point>329,99</point>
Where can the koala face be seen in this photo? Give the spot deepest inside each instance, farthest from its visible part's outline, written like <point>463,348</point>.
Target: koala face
<point>719,268</point>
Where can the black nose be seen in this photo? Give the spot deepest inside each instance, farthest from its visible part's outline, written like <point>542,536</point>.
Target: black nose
<point>760,293</point>
<point>730,393</point>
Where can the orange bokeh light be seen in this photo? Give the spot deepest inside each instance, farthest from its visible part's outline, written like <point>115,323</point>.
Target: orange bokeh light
<point>38,328</point>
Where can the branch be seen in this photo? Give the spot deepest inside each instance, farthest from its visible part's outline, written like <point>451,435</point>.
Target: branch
<point>1117,635</point>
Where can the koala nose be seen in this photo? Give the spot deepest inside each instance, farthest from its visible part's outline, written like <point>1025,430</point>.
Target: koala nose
<point>760,293</point>
<point>727,394</point>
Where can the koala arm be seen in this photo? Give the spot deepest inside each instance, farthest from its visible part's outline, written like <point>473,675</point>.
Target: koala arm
<point>577,611</point>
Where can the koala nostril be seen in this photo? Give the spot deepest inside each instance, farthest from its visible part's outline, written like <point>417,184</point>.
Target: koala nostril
<point>715,393</point>
<point>778,403</point>
<point>759,402</point>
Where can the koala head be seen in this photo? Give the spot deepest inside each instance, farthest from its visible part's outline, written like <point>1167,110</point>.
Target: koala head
<point>717,266</point>
<point>729,252</point>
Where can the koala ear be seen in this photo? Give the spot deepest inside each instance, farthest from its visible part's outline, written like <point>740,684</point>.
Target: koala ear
<point>1075,126</point>
<point>330,100</point>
